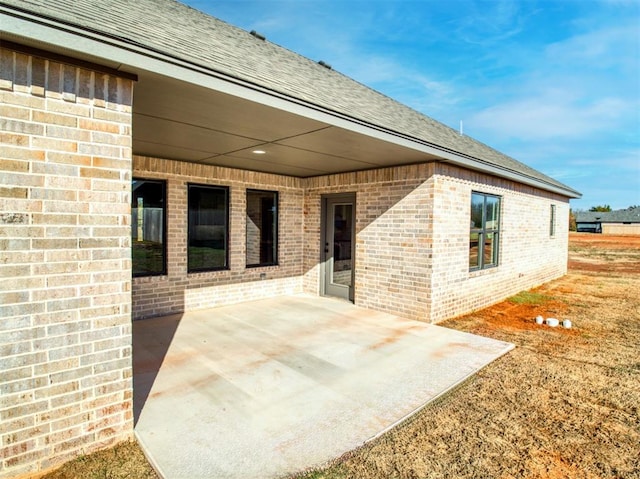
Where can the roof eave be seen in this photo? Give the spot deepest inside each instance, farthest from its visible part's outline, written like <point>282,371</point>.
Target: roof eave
<point>42,32</point>
<point>483,167</point>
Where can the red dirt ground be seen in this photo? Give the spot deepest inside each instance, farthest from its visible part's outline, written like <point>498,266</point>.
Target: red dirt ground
<point>608,241</point>
<point>520,317</point>
<point>623,253</point>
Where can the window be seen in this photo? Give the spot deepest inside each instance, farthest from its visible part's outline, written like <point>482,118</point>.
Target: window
<point>148,245</point>
<point>485,231</point>
<point>262,228</point>
<point>208,228</point>
<point>552,221</point>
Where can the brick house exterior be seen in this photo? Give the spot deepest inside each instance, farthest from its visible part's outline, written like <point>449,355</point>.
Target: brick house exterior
<point>65,301</point>
<point>77,128</point>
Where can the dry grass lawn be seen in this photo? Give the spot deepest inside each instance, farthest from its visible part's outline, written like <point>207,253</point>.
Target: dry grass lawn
<point>564,404</point>
<point>124,461</point>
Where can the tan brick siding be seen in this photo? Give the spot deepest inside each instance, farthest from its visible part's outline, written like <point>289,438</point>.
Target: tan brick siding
<point>181,291</point>
<point>412,239</point>
<point>393,219</point>
<point>65,269</point>
<point>529,256</point>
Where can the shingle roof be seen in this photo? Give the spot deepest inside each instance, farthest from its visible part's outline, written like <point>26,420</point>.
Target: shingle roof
<point>180,31</point>
<point>630,215</point>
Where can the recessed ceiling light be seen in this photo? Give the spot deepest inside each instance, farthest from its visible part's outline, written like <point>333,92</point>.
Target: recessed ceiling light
<point>259,152</point>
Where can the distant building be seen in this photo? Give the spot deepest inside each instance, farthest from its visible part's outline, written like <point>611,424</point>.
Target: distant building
<point>618,222</point>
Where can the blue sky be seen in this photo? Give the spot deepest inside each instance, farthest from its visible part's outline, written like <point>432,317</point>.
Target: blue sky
<point>554,84</point>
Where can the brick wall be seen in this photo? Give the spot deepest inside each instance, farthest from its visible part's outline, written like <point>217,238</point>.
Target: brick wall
<point>65,272</point>
<point>529,256</point>
<point>181,291</point>
<point>412,239</point>
<point>393,228</point>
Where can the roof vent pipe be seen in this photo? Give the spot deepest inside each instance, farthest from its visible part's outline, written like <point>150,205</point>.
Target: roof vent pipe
<point>324,64</point>
<point>259,36</point>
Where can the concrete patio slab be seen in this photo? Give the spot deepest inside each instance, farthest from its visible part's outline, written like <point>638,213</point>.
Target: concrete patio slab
<point>268,388</point>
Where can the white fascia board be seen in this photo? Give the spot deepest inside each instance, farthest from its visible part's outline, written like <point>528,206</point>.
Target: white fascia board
<point>73,41</point>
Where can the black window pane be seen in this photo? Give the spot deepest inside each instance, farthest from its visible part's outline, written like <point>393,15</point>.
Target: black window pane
<point>207,242</point>
<point>474,247</point>
<point>489,250</point>
<point>492,213</point>
<point>477,205</point>
<point>148,252</point>
<point>262,227</point>
<point>342,233</point>
<point>484,232</point>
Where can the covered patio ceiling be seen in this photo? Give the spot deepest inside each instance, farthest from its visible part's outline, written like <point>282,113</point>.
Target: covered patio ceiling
<point>182,121</point>
<point>185,112</point>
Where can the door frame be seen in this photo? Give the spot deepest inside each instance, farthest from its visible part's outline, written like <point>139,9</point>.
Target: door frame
<point>328,199</point>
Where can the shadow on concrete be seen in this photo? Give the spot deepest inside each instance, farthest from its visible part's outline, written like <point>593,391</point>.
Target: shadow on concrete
<point>151,341</point>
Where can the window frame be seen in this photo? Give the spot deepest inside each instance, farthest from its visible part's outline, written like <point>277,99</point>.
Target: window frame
<point>552,221</point>
<point>163,183</point>
<point>227,197</point>
<point>276,227</point>
<point>483,230</point>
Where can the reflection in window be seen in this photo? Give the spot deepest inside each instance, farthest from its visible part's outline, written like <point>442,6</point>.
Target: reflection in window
<point>485,230</point>
<point>262,228</point>
<point>342,233</point>
<point>208,228</point>
<point>148,246</point>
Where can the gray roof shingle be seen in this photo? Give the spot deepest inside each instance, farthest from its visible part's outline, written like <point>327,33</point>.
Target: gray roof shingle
<point>177,30</point>
<point>629,215</point>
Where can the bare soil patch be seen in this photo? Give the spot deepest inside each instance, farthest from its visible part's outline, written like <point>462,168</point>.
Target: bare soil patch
<point>564,404</point>
<point>604,253</point>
